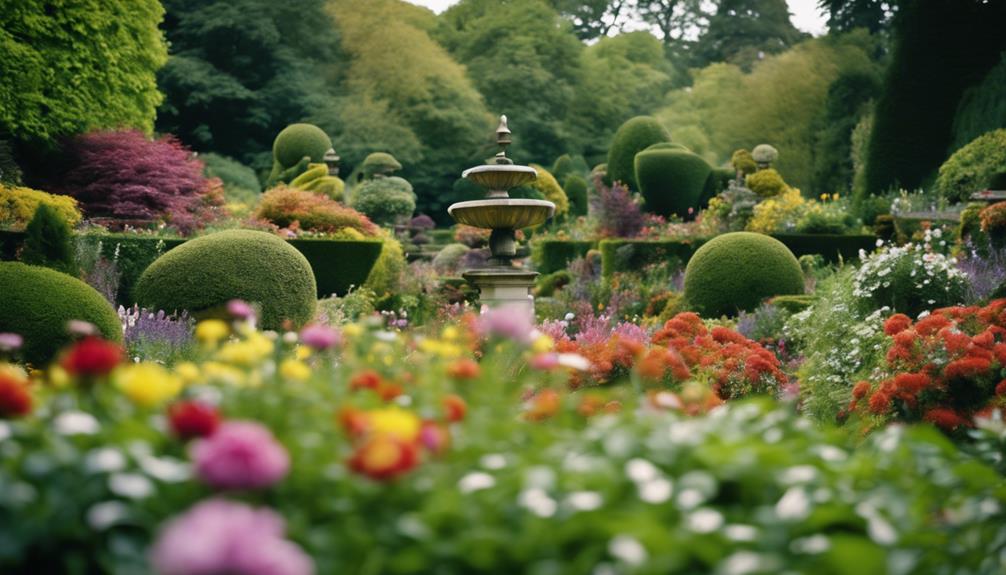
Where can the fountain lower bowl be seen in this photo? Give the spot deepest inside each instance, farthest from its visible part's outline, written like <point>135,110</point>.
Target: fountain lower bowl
<point>502,214</point>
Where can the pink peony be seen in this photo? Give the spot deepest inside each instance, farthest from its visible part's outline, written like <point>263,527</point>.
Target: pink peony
<point>218,536</point>
<point>320,337</point>
<point>240,455</point>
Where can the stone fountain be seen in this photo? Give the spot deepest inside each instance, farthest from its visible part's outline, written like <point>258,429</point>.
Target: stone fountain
<point>500,283</point>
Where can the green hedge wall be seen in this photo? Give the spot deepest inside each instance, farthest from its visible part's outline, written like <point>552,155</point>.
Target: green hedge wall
<point>338,264</point>
<point>830,246</point>
<point>629,255</point>
<point>554,255</point>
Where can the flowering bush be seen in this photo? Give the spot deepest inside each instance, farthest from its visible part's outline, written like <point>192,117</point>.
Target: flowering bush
<point>993,220</point>
<point>778,213</point>
<point>618,213</point>
<point>299,210</point>
<point>18,205</point>
<point>909,279</point>
<point>944,368</point>
<point>124,175</point>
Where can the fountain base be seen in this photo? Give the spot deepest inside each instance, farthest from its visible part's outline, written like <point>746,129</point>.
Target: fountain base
<point>501,286</point>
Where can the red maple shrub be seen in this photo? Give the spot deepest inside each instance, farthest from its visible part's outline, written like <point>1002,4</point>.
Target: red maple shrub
<point>124,175</point>
<point>295,209</point>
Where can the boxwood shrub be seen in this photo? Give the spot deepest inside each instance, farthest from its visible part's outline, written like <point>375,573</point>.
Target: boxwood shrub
<point>629,255</point>
<point>553,255</point>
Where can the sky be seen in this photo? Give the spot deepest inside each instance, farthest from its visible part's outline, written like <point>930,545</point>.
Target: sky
<point>805,13</point>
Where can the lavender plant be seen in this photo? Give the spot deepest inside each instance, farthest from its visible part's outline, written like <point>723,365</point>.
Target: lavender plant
<point>618,213</point>
<point>155,335</point>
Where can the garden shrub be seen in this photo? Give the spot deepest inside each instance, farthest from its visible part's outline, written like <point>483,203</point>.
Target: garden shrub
<point>18,206</point>
<point>544,187</point>
<point>971,225</point>
<point>38,302</point>
<point>381,163</point>
<point>207,272</point>
<point>575,188</point>
<point>551,255</point>
<point>827,218</point>
<point>241,185</point>
<point>49,242</point>
<point>736,271</point>
<point>125,175</point>
<point>719,180</point>
<point>617,210</point>
<point>766,183</point>
<point>448,259</point>
<point>10,172</point>
<point>672,182</point>
<point>339,264</point>
<point>624,255</point>
<point>833,248</point>
<point>909,279</point>
<point>386,275</point>
<point>632,137</point>
<point>982,107</point>
<point>284,206</point>
<point>130,253</point>
<point>972,168</point>
<point>385,200</point>
<point>316,179</point>
<point>547,284</point>
<point>563,167</point>
<point>778,213</point>
<point>294,148</point>
<point>743,162</point>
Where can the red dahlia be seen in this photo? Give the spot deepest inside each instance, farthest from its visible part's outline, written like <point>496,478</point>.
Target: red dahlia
<point>92,356</point>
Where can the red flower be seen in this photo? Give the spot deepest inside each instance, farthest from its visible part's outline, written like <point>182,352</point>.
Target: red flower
<point>954,341</point>
<point>911,382</point>
<point>931,324</point>
<point>389,391</point>
<point>945,418</point>
<point>15,399</point>
<point>897,323</point>
<point>966,368</point>
<point>1001,388</point>
<point>861,389</point>
<point>880,402</point>
<point>353,421</point>
<point>725,335</point>
<point>455,408</point>
<point>384,457</point>
<point>368,379</point>
<point>191,419</point>
<point>463,369</point>
<point>92,356</point>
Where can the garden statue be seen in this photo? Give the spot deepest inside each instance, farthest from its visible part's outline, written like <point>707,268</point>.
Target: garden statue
<point>294,148</point>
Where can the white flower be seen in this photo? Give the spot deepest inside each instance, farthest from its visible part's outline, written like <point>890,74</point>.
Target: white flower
<point>627,549</point>
<point>584,500</point>
<point>104,460</point>
<point>705,521</point>
<point>76,423</point>
<point>476,481</point>
<point>655,491</point>
<point>493,461</point>
<point>538,502</point>
<point>101,516</point>
<point>794,505</point>
<point>131,485</point>
<point>641,470</point>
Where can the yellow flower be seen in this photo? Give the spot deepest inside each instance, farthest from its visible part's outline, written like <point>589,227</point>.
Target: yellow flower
<point>15,371</point>
<point>188,371</point>
<point>211,331</point>
<point>450,333</point>
<point>294,369</point>
<point>835,196</point>
<point>223,373</point>
<point>248,352</point>
<point>303,352</point>
<point>148,384</point>
<point>352,330</point>
<point>543,344</point>
<point>58,377</point>
<point>824,197</point>
<point>396,422</point>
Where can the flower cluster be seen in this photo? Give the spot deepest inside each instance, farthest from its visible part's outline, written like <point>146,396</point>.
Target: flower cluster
<point>910,279</point>
<point>945,368</point>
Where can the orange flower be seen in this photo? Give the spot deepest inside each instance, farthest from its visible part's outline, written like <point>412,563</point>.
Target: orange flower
<point>931,324</point>
<point>464,369</point>
<point>880,402</point>
<point>897,323</point>
<point>384,457</point>
<point>543,405</point>
<point>966,368</point>
<point>455,408</point>
<point>368,379</point>
<point>945,418</point>
<point>353,421</point>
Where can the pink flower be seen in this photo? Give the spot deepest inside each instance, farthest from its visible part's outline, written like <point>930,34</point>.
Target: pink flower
<point>240,309</point>
<point>319,337</point>
<point>240,455</point>
<point>10,341</point>
<point>511,322</point>
<point>218,536</point>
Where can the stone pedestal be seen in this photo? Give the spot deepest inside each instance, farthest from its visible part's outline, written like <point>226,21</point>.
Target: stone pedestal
<point>499,287</point>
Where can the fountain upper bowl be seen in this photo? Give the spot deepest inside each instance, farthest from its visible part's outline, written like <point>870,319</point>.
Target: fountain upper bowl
<point>502,213</point>
<point>500,177</point>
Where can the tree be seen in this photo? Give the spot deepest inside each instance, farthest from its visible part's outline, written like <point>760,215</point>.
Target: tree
<point>678,21</point>
<point>241,70</point>
<point>592,19</point>
<point>847,15</point>
<point>48,241</point>
<point>86,65</point>
<point>845,105</point>
<point>744,31</point>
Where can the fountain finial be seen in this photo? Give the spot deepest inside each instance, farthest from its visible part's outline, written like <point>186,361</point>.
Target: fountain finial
<point>503,139</point>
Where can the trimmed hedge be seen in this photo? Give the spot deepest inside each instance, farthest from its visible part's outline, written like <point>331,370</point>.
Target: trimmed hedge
<point>338,264</point>
<point>736,271</point>
<point>829,246</point>
<point>205,273</point>
<point>575,187</point>
<point>553,255</point>
<point>631,255</point>
<point>671,181</point>
<point>38,302</point>
<point>632,137</point>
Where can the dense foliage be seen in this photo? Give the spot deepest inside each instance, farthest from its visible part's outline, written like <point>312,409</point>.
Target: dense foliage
<point>974,168</point>
<point>632,137</point>
<point>295,209</point>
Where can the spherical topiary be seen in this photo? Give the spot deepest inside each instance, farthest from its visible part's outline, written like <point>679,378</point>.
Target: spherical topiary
<point>385,201</point>
<point>298,141</point>
<point>38,302</point>
<point>575,188</point>
<point>974,167</point>
<point>736,271</point>
<point>205,273</point>
<point>380,163</point>
<point>671,180</point>
<point>764,155</point>
<point>743,162</point>
<point>563,166</point>
<point>631,138</point>
<point>766,183</point>
<point>668,146</point>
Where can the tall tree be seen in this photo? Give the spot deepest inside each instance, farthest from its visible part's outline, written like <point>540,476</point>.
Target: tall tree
<point>592,19</point>
<point>744,31</point>
<point>677,22</point>
<point>847,15</point>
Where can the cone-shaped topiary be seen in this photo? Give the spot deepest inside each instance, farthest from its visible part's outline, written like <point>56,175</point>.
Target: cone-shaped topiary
<point>632,137</point>
<point>671,180</point>
<point>294,148</point>
<point>48,241</point>
<point>736,271</point>
<point>563,166</point>
<point>39,302</point>
<point>575,188</point>
<point>203,274</point>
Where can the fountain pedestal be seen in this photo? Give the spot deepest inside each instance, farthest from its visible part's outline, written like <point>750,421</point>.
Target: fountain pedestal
<point>499,287</point>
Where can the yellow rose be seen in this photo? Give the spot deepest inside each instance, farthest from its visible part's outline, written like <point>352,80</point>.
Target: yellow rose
<point>148,384</point>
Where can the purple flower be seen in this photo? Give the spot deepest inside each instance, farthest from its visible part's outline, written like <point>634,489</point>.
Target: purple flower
<point>319,337</point>
<point>509,322</point>
<point>141,326</point>
<point>240,455</point>
<point>218,536</point>
<point>239,309</point>
<point>10,341</point>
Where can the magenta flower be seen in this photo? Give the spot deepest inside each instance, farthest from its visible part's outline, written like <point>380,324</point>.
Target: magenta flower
<point>508,322</point>
<point>240,455</point>
<point>218,536</point>
<point>319,337</point>
<point>10,341</point>
<point>240,309</point>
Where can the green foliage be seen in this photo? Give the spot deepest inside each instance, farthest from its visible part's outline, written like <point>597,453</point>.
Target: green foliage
<point>736,271</point>
<point>316,179</point>
<point>18,205</point>
<point>550,256</point>
<point>49,241</point>
<point>632,137</point>
<point>386,276</point>
<point>633,255</point>
<point>130,253</point>
<point>338,265</point>
<point>909,279</point>
<point>672,182</point>
<point>832,247</point>
<point>549,189</point>
<point>743,162</point>
<point>78,66</point>
<point>380,163</point>
<point>766,183</point>
<point>575,188</point>
<point>941,47</point>
<point>205,273</point>
<point>742,31</point>
<point>385,200</point>
<point>972,168</point>
<point>845,106</point>
<point>719,181</point>
<point>240,182</point>
<point>448,259</point>
<point>982,107</point>
<point>10,172</point>
<point>563,166</point>
<point>548,284</point>
<point>38,302</point>
<point>293,145</point>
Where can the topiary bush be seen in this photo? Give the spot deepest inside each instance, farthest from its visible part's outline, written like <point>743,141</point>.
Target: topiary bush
<point>544,187</point>
<point>18,205</point>
<point>380,163</point>
<point>563,166</point>
<point>294,148</point>
<point>736,271</point>
<point>205,273</point>
<point>632,137</point>
<point>49,241</point>
<point>974,167</point>
<point>743,162</point>
<point>385,200</point>
<point>316,179</point>
<point>671,181</point>
<point>38,302</point>
<point>766,183</point>
<point>575,188</point>
<point>763,155</point>
<point>293,208</point>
